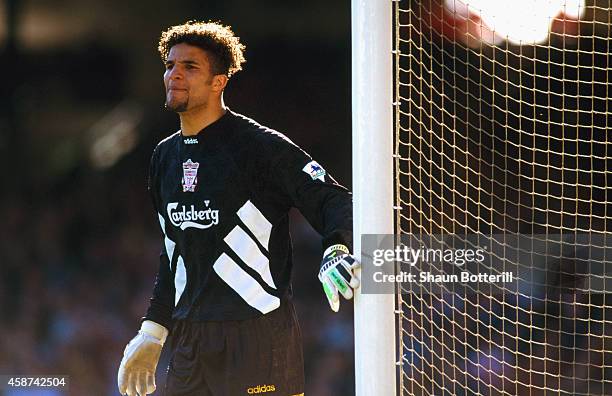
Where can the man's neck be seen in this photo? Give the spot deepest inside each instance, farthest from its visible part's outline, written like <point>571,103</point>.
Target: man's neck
<point>194,122</point>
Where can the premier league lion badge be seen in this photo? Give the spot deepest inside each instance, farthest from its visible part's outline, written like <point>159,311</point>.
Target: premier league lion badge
<point>190,175</point>
<point>315,170</point>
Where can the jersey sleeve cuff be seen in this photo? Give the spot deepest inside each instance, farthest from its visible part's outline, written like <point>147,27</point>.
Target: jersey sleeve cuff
<point>339,237</point>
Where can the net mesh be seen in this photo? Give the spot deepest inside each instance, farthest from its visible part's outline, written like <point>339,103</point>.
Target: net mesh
<point>493,136</point>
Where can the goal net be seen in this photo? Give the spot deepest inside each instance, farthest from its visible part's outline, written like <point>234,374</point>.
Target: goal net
<point>502,128</point>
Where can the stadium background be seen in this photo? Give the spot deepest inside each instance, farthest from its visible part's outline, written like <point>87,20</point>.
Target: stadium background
<point>81,112</point>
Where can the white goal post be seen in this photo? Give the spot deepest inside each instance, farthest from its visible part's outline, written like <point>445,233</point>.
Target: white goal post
<point>372,116</point>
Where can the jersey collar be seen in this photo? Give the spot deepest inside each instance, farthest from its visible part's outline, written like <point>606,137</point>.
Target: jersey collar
<point>213,129</point>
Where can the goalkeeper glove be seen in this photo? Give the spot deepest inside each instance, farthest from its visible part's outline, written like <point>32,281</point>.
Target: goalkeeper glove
<point>136,376</point>
<point>336,274</point>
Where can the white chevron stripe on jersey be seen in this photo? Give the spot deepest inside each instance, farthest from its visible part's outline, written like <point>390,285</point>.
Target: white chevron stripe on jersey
<point>180,276</point>
<point>245,285</point>
<point>180,279</point>
<point>170,244</point>
<point>256,222</point>
<point>248,251</point>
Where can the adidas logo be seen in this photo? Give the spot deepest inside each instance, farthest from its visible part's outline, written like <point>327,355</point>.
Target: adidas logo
<point>261,389</point>
<point>190,141</point>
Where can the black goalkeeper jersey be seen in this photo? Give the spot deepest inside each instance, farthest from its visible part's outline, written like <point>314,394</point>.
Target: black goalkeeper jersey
<point>223,198</point>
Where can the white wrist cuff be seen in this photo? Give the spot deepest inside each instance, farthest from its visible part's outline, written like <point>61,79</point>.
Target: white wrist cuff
<point>339,246</point>
<point>155,330</point>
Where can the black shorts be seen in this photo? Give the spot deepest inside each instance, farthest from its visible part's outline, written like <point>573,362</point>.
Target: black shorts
<point>261,356</point>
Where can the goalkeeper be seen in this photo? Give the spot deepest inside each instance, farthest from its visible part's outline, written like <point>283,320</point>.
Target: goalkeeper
<point>222,187</point>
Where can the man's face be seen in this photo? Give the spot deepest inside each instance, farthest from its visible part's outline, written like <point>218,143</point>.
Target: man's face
<point>188,79</point>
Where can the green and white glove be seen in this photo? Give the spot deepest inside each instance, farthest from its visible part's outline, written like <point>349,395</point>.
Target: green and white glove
<point>337,275</point>
<point>136,376</point>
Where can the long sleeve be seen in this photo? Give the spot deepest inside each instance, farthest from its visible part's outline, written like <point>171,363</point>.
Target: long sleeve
<point>162,302</point>
<point>307,186</point>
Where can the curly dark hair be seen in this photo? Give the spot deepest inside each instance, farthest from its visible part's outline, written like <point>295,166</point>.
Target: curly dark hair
<point>225,51</point>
